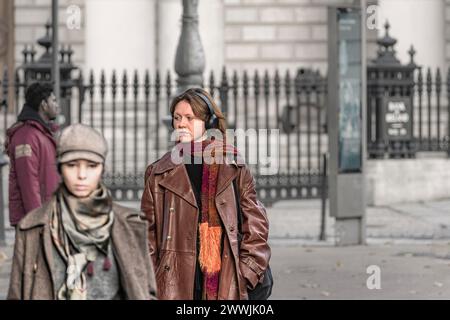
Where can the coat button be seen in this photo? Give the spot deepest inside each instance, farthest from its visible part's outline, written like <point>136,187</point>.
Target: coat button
<point>225,256</point>
<point>223,202</point>
<point>35,267</point>
<point>231,228</point>
<point>166,268</point>
<point>169,238</point>
<point>171,210</point>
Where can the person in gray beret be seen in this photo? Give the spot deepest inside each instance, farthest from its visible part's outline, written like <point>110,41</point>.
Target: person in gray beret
<point>80,245</point>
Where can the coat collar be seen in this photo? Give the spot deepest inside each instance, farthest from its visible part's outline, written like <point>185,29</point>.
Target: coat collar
<point>29,114</point>
<point>41,216</point>
<point>177,179</point>
<point>38,217</point>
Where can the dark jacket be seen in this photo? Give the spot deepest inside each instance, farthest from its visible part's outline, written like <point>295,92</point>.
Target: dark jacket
<point>32,276</point>
<point>172,211</point>
<point>33,175</point>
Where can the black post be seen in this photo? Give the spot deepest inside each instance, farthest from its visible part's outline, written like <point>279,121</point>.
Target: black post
<point>287,89</point>
<point>223,93</point>
<point>157,98</point>
<point>428,88</point>
<point>135,98</point>
<point>245,91</point>
<point>102,100</point>
<point>91,97</point>
<point>438,102</point>
<point>419,92</point>
<point>114,91</point>
<point>323,235</point>
<point>55,62</point>
<point>308,128</point>
<point>298,97</point>
<point>124,124</point>
<point>256,92</point>
<point>147,93</point>
<point>5,99</point>
<point>235,97</point>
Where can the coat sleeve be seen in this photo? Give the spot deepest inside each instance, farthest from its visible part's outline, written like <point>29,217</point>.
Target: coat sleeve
<point>254,252</point>
<point>15,291</point>
<point>26,154</point>
<point>148,208</point>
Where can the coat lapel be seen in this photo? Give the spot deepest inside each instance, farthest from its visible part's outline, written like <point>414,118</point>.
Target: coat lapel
<point>227,173</point>
<point>177,181</point>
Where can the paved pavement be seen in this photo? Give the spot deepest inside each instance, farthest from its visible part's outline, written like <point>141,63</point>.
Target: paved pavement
<point>407,270</point>
<point>410,243</point>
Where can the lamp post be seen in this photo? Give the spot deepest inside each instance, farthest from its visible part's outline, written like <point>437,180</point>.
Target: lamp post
<point>190,57</point>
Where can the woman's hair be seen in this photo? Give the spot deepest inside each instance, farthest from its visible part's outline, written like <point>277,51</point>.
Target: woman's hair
<point>199,107</point>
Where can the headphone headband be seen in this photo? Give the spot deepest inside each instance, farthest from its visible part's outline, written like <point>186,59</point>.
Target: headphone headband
<point>213,119</point>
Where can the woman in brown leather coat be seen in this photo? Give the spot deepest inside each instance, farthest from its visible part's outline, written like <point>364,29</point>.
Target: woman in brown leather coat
<point>190,203</point>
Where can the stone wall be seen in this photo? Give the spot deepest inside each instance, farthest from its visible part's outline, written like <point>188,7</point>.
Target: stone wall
<point>391,181</point>
<point>279,34</point>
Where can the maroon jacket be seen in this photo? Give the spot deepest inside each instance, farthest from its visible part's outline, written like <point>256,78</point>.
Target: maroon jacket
<point>33,175</point>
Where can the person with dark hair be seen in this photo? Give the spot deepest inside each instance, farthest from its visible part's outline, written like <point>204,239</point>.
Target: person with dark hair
<point>31,148</point>
<point>81,245</point>
<point>200,247</point>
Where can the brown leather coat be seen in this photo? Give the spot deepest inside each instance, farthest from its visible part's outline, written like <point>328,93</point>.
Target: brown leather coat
<point>171,209</point>
<point>32,276</point>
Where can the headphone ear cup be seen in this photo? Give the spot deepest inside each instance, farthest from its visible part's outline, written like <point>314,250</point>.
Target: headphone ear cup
<point>212,123</point>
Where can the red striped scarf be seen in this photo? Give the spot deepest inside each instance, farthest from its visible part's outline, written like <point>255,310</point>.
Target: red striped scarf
<point>213,153</point>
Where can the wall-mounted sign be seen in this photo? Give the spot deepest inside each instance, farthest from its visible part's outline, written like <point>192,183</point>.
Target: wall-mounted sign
<point>397,118</point>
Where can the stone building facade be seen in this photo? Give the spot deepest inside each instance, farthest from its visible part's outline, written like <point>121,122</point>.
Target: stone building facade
<point>241,34</point>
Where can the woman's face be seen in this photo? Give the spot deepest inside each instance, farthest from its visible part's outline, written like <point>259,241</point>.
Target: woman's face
<point>187,126</point>
<point>81,177</point>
